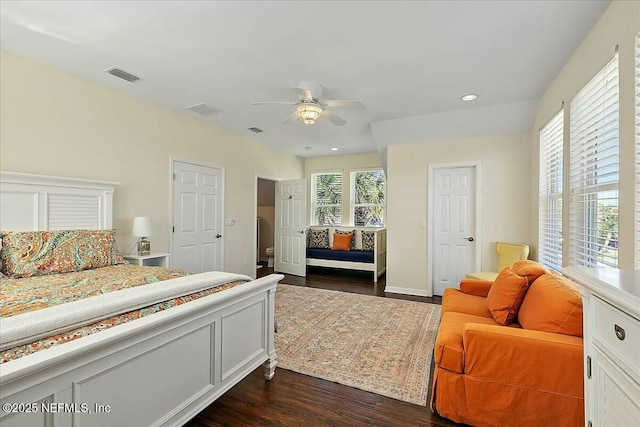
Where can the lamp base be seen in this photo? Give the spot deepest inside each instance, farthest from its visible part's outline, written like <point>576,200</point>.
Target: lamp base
<point>144,246</point>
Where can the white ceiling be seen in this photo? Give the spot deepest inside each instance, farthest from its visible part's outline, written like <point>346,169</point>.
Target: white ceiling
<point>409,62</point>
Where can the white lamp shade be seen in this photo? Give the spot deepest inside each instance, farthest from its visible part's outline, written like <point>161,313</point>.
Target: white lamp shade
<point>142,226</point>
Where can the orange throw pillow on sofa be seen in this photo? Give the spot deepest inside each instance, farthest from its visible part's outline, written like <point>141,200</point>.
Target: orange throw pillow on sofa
<point>506,296</point>
<point>553,304</point>
<point>341,242</point>
<point>531,269</point>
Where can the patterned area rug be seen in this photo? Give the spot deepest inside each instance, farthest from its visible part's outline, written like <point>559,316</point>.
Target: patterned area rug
<point>381,345</point>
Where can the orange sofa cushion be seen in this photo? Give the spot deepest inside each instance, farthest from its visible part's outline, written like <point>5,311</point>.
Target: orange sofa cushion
<point>552,304</point>
<point>341,242</point>
<point>460,302</point>
<point>475,287</point>
<point>506,296</point>
<point>449,350</point>
<point>529,268</point>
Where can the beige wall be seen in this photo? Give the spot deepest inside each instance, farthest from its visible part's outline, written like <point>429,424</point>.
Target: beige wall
<point>54,123</point>
<point>346,164</point>
<point>505,201</point>
<point>617,26</point>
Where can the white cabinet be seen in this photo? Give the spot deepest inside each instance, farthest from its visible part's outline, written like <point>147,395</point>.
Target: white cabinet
<point>612,345</point>
<point>151,260</point>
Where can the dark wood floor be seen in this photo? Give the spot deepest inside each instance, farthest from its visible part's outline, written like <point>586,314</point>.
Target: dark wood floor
<point>292,399</point>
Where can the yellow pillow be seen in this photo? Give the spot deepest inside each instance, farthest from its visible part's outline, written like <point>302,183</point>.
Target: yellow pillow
<point>341,242</point>
<point>506,295</point>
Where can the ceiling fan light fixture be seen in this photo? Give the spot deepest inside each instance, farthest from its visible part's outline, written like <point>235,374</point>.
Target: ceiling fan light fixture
<point>309,113</point>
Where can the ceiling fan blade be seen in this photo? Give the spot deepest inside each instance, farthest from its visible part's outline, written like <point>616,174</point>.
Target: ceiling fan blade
<point>344,103</point>
<point>333,118</point>
<point>291,118</point>
<point>274,102</point>
<point>304,94</point>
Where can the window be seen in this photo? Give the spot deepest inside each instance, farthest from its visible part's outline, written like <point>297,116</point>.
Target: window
<point>638,151</point>
<point>326,198</point>
<point>594,171</point>
<point>368,190</point>
<point>550,193</point>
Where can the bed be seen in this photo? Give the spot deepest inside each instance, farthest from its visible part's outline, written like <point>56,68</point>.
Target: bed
<point>159,369</point>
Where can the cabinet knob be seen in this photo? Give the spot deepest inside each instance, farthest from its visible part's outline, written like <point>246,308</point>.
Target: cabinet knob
<point>620,333</point>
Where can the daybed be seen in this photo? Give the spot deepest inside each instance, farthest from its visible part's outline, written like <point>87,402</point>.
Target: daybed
<point>509,353</point>
<point>191,337</point>
<point>367,251</point>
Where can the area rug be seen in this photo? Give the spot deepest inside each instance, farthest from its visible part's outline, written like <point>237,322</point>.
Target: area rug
<point>381,345</point>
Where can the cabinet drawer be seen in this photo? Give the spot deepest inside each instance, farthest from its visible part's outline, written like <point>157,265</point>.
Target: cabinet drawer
<point>618,331</point>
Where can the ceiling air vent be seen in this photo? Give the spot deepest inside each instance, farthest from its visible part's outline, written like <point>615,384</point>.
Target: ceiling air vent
<point>122,74</point>
<point>256,130</point>
<point>203,109</point>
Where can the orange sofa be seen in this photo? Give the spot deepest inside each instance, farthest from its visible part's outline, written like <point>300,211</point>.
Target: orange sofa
<point>510,352</point>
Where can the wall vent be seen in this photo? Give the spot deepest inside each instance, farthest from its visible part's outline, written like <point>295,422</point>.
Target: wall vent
<point>204,109</point>
<point>122,74</point>
<point>256,130</point>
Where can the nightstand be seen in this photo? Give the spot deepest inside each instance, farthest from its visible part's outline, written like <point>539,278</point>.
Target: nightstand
<point>151,260</point>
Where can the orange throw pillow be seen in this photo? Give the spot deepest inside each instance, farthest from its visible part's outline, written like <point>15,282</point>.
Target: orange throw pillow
<point>341,242</point>
<point>553,304</point>
<point>529,268</point>
<point>506,296</point>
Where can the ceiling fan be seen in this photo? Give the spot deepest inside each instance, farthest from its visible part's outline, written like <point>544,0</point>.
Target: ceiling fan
<point>311,106</point>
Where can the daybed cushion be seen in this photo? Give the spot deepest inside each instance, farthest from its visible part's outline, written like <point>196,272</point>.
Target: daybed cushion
<point>552,304</point>
<point>368,240</point>
<point>37,253</point>
<point>353,237</point>
<point>353,256</point>
<point>506,295</point>
<point>342,242</point>
<point>459,302</point>
<point>318,239</point>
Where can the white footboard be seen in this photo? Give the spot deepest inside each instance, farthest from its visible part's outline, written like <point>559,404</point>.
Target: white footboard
<point>159,370</point>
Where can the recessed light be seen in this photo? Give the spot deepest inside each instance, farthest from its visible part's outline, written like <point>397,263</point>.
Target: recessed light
<point>469,97</point>
<point>334,148</point>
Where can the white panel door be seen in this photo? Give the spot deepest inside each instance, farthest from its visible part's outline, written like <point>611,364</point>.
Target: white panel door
<point>454,213</point>
<point>198,194</point>
<point>291,214</point>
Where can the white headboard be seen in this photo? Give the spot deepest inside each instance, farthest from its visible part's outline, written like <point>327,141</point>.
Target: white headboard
<point>38,202</point>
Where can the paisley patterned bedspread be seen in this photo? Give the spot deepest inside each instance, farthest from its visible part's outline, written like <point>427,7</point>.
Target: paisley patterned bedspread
<point>19,296</point>
<point>22,296</point>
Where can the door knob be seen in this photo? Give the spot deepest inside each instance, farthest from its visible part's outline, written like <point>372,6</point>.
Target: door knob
<point>468,238</point>
<point>301,232</point>
<point>218,236</point>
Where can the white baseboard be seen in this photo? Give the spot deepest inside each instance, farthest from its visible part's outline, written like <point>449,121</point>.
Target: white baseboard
<point>407,291</point>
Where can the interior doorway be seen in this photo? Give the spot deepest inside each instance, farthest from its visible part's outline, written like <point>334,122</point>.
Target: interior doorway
<point>265,222</point>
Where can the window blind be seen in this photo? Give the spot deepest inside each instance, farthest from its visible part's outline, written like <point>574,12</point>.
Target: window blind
<point>550,193</point>
<point>594,171</point>
<point>326,199</point>
<point>638,151</point>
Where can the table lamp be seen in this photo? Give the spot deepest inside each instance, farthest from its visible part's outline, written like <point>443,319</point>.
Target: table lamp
<point>142,230</point>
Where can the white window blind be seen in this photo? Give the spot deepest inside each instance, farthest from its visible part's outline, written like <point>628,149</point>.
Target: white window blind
<point>638,151</point>
<point>594,171</point>
<point>550,193</point>
<point>368,191</point>
<point>326,198</point>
